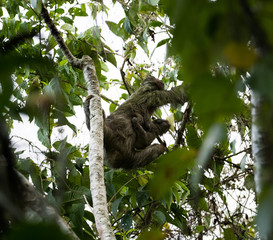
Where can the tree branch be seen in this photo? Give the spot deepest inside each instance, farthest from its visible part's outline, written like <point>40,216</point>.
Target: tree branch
<point>128,88</point>
<point>18,198</point>
<point>182,127</point>
<point>75,62</point>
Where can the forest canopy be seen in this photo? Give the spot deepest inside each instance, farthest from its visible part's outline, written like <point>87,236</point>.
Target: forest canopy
<point>215,179</point>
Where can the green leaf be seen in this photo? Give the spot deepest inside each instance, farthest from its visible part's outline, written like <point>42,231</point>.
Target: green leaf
<point>176,195</point>
<point>112,107</point>
<point>229,234</point>
<point>127,25</point>
<point>141,198</point>
<point>143,45</point>
<point>249,182</point>
<point>152,2</point>
<point>41,231</point>
<point>158,113</point>
<point>43,136</point>
<point>115,206</point>
<point>184,190</point>
<point>192,137</point>
<point>51,43</point>
<point>37,5</point>
<point>35,174</point>
<point>88,215</point>
<point>76,214</point>
<point>232,146</point>
<point>146,7</point>
<point>143,180</point>
<point>207,220</point>
<point>110,57</point>
<point>118,30</point>
<point>59,10</point>
<point>34,3</point>
<point>171,166</point>
<point>199,229</point>
<point>68,27</point>
<point>159,217</point>
<point>243,162</point>
<point>152,234</point>
<point>63,121</point>
<point>67,20</point>
<point>203,205</point>
<point>156,24</point>
<point>104,67</point>
<point>109,175</point>
<point>81,12</point>
<point>168,198</point>
<point>162,42</point>
<point>127,221</point>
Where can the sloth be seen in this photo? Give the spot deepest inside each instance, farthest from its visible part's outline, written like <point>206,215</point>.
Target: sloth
<point>129,130</point>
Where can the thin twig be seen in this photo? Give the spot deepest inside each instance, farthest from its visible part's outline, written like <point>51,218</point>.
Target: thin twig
<point>128,88</point>
<point>181,130</point>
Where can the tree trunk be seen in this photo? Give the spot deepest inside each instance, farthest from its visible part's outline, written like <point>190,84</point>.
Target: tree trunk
<point>262,149</point>
<point>96,170</point>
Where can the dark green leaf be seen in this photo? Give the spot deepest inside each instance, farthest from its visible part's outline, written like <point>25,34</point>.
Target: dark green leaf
<point>110,57</point>
<point>76,215</point>
<point>159,217</point>
<point>156,24</point>
<point>127,221</point>
<point>115,206</point>
<point>42,231</point>
<point>141,198</point>
<point>192,137</point>
<point>162,42</point>
<point>249,182</point>
<point>67,20</point>
<point>88,215</point>
<point>127,25</point>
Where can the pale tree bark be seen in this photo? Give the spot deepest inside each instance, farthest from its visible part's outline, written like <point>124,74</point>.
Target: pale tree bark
<point>96,171</point>
<point>262,142</point>
<point>262,150</point>
<point>262,126</point>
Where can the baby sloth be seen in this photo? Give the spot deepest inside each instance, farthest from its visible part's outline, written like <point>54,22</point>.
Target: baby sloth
<point>144,137</point>
<point>129,131</point>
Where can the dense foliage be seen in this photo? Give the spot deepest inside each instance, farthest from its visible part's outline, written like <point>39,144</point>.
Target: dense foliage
<point>203,188</point>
